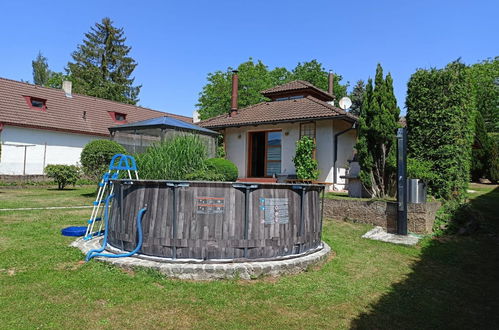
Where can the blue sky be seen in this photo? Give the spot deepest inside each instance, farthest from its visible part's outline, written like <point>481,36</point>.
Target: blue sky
<point>177,43</point>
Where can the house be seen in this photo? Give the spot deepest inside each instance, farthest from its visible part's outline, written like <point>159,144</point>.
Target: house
<point>41,126</point>
<point>261,139</point>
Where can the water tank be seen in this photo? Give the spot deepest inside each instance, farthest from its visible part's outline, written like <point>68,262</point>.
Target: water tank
<point>416,191</point>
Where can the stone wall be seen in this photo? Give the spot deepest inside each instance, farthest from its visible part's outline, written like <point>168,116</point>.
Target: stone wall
<point>420,217</point>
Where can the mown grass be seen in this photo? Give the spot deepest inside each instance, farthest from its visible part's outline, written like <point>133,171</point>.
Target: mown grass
<point>44,284</point>
<point>45,197</point>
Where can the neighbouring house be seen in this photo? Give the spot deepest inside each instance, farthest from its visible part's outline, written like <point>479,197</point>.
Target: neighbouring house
<point>261,139</point>
<point>41,126</point>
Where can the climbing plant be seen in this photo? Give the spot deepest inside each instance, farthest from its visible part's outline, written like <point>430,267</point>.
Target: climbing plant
<point>306,166</point>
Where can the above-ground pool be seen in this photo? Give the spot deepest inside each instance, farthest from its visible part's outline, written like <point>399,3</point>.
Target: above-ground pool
<point>217,220</point>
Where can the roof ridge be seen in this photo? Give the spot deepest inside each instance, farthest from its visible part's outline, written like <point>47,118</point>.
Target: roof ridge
<point>88,96</point>
<point>327,105</point>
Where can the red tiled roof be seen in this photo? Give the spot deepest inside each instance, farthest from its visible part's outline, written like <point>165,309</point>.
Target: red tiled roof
<point>307,108</point>
<point>296,86</point>
<point>66,113</point>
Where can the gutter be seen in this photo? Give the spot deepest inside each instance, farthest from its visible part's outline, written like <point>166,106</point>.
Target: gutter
<point>335,177</point>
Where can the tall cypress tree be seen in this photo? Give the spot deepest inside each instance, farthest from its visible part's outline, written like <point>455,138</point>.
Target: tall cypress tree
<point>101,66</point>
<point>377,128</point>
<point>41,72</point>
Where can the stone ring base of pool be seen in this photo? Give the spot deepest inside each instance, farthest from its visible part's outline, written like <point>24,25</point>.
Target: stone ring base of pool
<point>190,269</point>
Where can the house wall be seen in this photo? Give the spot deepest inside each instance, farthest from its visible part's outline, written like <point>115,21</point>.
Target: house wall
<point>49,147</point>
<point>236,143</point>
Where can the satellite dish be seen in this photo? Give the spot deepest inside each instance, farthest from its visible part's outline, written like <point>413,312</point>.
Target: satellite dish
<point>345,103</point>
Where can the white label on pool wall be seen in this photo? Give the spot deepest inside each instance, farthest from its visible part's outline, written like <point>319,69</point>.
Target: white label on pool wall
<point>274,210</point>
<point>210,205</point>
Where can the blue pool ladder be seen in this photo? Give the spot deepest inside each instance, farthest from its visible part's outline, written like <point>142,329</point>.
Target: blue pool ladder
<point>118,163</point>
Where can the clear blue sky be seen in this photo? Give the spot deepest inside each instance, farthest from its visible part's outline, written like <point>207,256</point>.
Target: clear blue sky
<point>177,43</point>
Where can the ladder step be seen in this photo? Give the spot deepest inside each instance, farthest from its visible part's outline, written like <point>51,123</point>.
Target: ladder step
<point>96,219</point>
<point>99,202</point>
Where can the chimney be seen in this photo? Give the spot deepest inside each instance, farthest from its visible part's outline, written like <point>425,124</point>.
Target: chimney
<point>330,83</point>
<point>195,117</point>
<point>66,87</point>
<point>235,86</point>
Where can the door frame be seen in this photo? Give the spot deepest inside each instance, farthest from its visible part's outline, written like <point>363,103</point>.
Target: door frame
<point>250,154</point>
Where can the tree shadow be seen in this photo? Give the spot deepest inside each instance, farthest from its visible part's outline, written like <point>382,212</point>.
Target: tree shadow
<point>65,189</point>
<point>453,285</point>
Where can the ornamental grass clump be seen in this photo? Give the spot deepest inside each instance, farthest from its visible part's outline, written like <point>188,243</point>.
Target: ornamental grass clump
<point>172,159</point>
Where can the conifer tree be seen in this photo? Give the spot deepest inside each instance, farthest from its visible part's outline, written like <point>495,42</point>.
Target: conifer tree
<point>357,97</point>
<point>101,66</point>
<point>377,129</point>
<point>41,72</point>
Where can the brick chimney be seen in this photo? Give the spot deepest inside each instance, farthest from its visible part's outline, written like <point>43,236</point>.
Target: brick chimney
<point>330,83</point>
<point>235,86</point>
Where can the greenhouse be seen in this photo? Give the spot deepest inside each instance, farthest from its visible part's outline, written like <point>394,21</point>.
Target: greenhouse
<point>136,137</point>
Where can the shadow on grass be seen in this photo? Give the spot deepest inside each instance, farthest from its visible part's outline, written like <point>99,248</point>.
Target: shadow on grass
<point>90,194</point>
<point>454,284</point>
<point>65,189</point>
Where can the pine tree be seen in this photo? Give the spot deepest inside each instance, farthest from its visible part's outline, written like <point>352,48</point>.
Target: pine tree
<point>101,66</point>
<point>41,72</point>
<point>357,97</point>
<point>377,128</point>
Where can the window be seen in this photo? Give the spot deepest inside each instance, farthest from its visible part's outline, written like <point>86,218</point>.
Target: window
<point>307,129</point>
<point>118,117</point>
<point>36,103</point>
<point>295,97</point>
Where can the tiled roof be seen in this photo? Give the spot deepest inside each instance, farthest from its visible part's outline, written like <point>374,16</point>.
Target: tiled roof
<point>66,113</point>
<point>307,108</point>
<point>295,86</point>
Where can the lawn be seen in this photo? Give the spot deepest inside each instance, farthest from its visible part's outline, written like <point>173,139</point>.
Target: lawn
<point>449,282</point>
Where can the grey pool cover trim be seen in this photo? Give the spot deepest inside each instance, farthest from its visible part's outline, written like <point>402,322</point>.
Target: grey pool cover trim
<point>199,270</point>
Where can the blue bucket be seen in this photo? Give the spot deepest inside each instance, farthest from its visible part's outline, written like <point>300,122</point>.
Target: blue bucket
<point>74,231</point>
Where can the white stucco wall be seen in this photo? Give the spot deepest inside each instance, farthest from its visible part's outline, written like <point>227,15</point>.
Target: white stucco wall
<point>236,140</point>
<point>236,144</point>
<point>346,144</point>
<point>55,147</point>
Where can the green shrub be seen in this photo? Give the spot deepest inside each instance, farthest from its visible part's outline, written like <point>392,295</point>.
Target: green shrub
<point>172,159</point>
<point>96,156</point>
<point>225,167</point>
<point>440,121</point>
<point>493,172</point>
<point>456,217</point>
<point>63,174</point>
<point>306,166</point>
<point>205,175</point>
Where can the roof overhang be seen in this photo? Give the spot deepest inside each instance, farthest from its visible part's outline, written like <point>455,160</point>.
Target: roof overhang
<point>292,120</point>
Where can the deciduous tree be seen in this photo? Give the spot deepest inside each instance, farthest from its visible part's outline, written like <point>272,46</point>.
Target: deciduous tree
<point>254,77</point>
